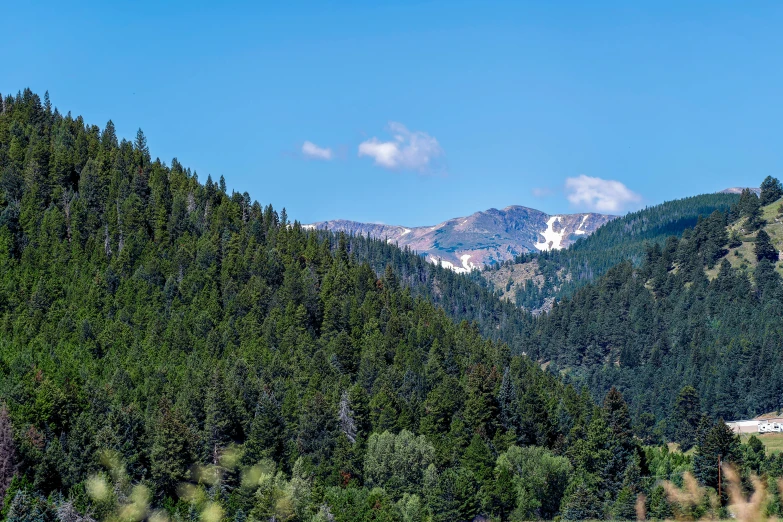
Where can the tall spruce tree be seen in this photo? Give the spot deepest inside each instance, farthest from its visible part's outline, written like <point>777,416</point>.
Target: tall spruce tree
<point>763,248</point>
<point>771,190</point>
<point>720,444</point>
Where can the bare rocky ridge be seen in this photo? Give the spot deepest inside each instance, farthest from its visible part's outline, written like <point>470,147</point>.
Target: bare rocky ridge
<point>738,190</point>
<point>484,238</point>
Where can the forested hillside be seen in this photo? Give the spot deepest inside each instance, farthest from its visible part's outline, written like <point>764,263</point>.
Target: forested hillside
<point>558,273</point>
<point>704,310</point>
<point>462,298</point>
<point>172,351</point>
<point>150,324</point>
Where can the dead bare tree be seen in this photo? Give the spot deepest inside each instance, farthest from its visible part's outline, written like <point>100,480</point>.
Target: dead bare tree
<point>8,462</point>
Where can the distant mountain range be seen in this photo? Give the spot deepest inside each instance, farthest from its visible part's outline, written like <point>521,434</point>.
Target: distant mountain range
<point>483,238</point>
<point>738,190</point>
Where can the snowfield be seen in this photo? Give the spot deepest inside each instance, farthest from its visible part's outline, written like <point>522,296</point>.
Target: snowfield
<point>552,240</point>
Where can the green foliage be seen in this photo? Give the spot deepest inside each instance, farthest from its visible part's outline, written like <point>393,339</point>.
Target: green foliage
<point>748,207</point>
<point>771,191</point>
<point>763,248</point>
<point>169,321</point>
<point>719,443</point>
<point>685,418</point>
<point>643,328</point>
<point>453,496</point>
<point>539,478</point>
<point>173,323</point>
<point>581,500</point>
<point>666,465</point>
<point>397,462</point>
<point>624,239</point>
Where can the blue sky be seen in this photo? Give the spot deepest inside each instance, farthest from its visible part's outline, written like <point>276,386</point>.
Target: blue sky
<point>416,112</point>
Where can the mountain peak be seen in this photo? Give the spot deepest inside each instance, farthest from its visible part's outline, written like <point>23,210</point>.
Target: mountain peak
<point>482,238</point>
<point>738,190</point>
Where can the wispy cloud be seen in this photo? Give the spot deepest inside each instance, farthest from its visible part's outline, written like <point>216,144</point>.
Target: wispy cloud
<point>413,150</point>
<point>602,195</point>
<point>541,192</point>
<point>311,150</point>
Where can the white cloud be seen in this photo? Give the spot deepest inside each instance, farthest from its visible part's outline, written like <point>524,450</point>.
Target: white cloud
<point>409,150</point>
<point>311,150</point>
<point>602,195</point>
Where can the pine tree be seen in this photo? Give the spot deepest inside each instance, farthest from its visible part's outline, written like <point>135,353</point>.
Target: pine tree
<point>109,137</point>
<point>453,497</point>
<point>763,248</point>
<point>685,417</point>
<point>140,144</point>
<point>267,432</point>
<point>503,494</point>
<point>622,445</point>
<point>171,454</point>
<point>478,459</point>
<point>506,399</point>
<point>625,506</point>
<point>719,443</point>
<point>750,208</point>
<point>217,423</point>
<point>582,499</point>
<point>660,509</point>
<point>771,190</point>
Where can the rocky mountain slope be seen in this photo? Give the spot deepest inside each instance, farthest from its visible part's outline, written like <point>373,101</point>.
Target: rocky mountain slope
<point>738,190</point>
<point>483,238</point>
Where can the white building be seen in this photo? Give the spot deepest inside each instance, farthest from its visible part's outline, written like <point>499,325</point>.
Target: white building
<point>744,426</point>
<point>769,425</point>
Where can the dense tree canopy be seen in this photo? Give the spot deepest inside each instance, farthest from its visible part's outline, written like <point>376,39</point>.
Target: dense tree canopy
<point>665,321</point>
<point>166,345</point>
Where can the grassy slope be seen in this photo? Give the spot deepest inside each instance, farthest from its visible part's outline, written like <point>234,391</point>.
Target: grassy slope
<point>742,257</point>
<point>772,441</point>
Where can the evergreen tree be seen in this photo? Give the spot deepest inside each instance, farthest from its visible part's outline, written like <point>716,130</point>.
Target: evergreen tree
<point>750,208</point>
<point>625,506</point>
<point>685,417</point>
<point>140,144</point>
<point>453,497</point>
<point>267,432</point>
<point>771,190</point>
<point>720,443</point>
<point>763,248</point>
<point>171,453</point>
<point>622,444</point>
<point>581,501</point>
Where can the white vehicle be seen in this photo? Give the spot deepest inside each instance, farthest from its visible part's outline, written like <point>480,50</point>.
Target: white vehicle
<point>770,427</point>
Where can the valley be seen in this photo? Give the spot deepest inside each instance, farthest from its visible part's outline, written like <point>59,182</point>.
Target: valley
<point>172,341</point>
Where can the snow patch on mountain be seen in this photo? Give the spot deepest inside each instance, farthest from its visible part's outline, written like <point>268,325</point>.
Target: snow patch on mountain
<point>435,260</point>
<point>467,264</point>
<point>579,230</point>
<point>552,240</point>
<point>488,237</point>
